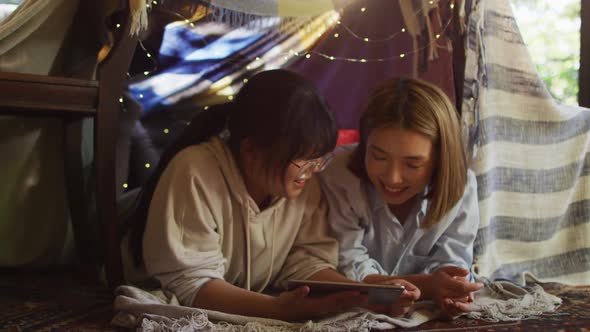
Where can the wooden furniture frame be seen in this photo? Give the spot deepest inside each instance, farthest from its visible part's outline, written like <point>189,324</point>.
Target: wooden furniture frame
<point>71,100</point>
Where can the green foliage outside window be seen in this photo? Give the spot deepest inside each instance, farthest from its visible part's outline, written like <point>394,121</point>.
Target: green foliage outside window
<point>551,30</point>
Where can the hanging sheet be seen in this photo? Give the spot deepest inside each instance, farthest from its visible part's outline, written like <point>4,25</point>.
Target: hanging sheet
<point>531,158</point>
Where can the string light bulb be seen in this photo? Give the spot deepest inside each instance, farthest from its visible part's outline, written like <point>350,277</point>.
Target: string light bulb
<point>125,185</point>
<point>166,131</point>
<point>150,57</point>
<point>147,165</point>
<point>377,40</point>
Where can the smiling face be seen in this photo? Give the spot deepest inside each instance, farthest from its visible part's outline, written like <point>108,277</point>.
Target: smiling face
<point>293,182</point>
<point>399,163</point>
<point>265,183</point>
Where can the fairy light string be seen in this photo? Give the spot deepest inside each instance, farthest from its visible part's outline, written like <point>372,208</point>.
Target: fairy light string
<point>306,53</point>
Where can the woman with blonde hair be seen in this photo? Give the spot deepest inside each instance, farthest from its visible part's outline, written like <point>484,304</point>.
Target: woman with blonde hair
<point>402,201</point>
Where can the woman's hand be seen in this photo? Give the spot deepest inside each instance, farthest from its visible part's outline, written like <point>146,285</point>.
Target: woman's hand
<point>451,290</point>
<point>401,306</point>
<point>451,308</point>
<point>297,305</point>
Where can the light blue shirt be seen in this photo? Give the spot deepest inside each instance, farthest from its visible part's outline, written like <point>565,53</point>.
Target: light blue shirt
<point>373,241</point>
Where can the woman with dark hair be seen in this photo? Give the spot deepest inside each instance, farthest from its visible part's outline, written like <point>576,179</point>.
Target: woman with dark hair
<point>402,202</point>
<point>225,217</point>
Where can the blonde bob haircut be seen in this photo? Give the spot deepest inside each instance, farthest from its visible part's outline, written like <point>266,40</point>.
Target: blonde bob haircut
<point>424,108</point>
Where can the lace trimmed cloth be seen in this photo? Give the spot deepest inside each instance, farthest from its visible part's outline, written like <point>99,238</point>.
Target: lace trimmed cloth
<point>160,311</point>
<point>503,300</point>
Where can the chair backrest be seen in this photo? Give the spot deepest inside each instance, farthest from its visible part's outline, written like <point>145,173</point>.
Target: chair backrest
<point>71,99</point>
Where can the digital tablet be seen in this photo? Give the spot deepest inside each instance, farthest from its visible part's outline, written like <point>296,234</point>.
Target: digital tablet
<point>378,294</point>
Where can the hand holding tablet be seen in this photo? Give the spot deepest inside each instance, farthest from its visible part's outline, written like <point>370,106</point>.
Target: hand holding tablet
<point>377,294</point>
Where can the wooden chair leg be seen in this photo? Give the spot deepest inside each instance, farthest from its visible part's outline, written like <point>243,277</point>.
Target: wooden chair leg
<point>77,193</point>
<point>111,75</point>
<point>107,193</point>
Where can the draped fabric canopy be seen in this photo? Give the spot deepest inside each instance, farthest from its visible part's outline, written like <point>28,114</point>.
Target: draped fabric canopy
<point>284,8</point>
<point>34,23</point>
<point>239,12</point>
<point>37,38</point>
<point>205,61</point>
<point>31,172</point>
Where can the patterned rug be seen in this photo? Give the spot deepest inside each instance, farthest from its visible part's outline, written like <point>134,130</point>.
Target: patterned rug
<point>53,301</point>
<point>65,301</point>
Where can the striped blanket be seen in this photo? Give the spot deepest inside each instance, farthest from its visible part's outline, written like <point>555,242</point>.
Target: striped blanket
<point>531,157</point>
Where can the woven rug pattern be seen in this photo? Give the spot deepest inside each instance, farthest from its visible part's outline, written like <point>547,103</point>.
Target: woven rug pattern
<point>53,301</point>
<point>62,301</point>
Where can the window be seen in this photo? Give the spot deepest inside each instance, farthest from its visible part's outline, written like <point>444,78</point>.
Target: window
<point>7,7</point>
<point>551,30</point>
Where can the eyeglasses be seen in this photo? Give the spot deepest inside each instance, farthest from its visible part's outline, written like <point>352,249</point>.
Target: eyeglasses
<point>313,166</point>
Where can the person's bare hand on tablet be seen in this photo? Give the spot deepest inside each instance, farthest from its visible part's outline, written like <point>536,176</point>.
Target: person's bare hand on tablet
<point>297,305</point>
<point>404,304</point>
